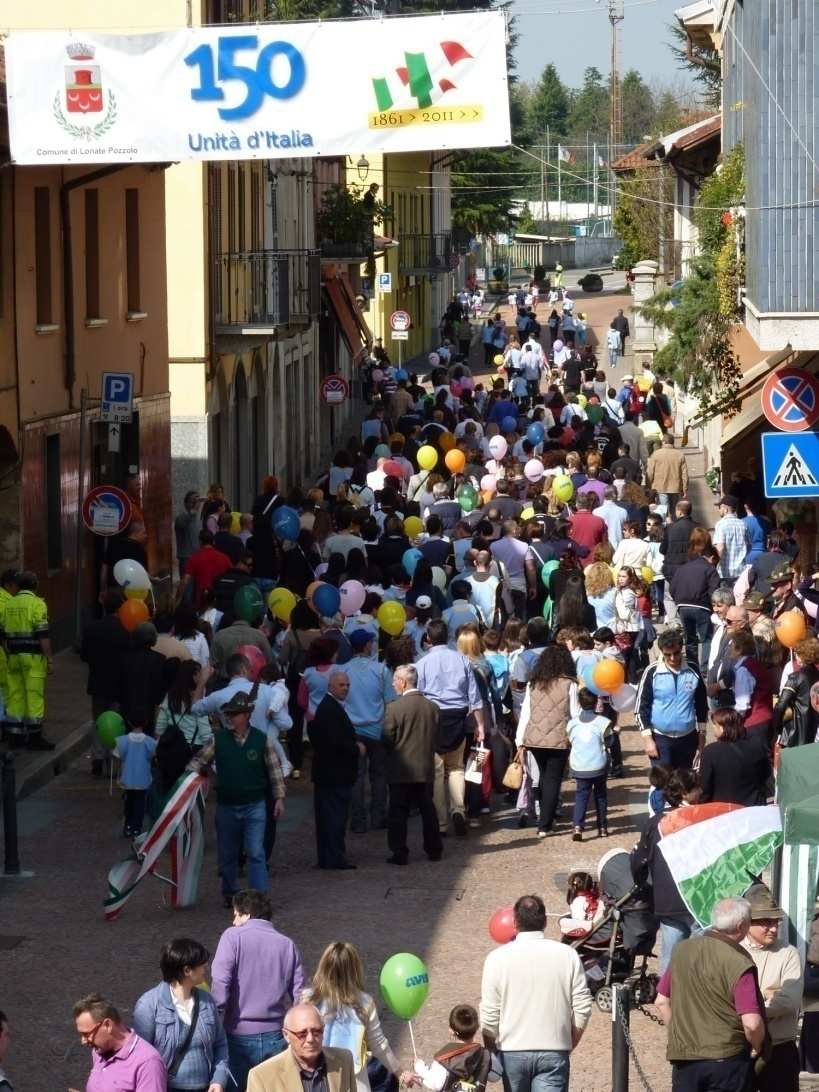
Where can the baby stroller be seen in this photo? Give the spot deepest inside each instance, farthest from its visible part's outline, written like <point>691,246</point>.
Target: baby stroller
<point>622,939</point>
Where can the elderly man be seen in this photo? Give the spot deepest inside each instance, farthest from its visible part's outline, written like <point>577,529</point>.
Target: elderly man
<point>511,551</point>
<point>335,771</point>
<point>535,1003</point>
<point>721,602</point>
<point>306,1065</point>
<point>782,593</point>
<point>446,678</point>
<point>779,971</point>
<point>122,1061</point>
<point>671,706</point>
<point>612,515</point>
<point>370,690</point>
<point>769,650</point>
<point>410,736</point>
<point>715,1014</point>
<point>717,681</point>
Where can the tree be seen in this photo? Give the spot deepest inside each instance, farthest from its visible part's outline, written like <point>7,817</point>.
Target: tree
<point>639,115</point>
<point>589,112</point>
<point>640,220</point>
<point>549,105</point>
<point>703,62</point>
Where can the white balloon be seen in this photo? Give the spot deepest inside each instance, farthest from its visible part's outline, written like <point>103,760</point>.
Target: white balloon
<point>439,578</point>
<point>130,574</point>
<point>498,447</point>
<point>624,699</point>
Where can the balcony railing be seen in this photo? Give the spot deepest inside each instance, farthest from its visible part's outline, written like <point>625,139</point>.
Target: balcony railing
<point>425,254</point>
<point>258,291</point>
<point>349,250</point>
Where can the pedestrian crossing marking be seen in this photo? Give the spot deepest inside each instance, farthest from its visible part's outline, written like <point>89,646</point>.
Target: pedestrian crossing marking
<point>794,470</point>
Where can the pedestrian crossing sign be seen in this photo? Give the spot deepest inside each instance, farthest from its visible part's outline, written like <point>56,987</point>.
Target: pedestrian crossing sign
<point>790,463</point>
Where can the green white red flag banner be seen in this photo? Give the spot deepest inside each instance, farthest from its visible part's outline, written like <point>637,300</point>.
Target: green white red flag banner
<point>720,857</point>
<point>262,91</point>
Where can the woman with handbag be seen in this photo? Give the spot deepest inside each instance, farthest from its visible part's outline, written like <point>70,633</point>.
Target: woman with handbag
<point>627,620</point>
<point>182,1021</point>
<point>549,703</point>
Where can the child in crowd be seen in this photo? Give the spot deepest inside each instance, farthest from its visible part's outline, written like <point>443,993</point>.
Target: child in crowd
<point>135,751</point>
<point>654,561</point>
<point>605,645</point>
<point>271,714</point>
<point>463,1064</point>
<point>586,907</point>
<point>498,660</point>
<point>588,733</point>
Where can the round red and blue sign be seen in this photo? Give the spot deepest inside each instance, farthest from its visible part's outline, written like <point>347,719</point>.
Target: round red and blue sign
<point>106,510</point>
<point>790,399</point>
<point>334,390</point>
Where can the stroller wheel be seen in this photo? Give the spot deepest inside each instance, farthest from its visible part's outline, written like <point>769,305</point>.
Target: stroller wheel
<point>604,999</point>
<point>644,989</point>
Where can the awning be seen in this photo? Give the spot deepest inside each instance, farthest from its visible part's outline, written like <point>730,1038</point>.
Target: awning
<point>750,393</point>
<point>351,322</point>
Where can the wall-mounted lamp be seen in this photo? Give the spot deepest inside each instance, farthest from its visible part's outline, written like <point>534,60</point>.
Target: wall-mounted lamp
<point>363,167</point>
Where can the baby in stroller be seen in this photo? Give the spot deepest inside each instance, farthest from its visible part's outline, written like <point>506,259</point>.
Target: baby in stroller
<point>586,908</point>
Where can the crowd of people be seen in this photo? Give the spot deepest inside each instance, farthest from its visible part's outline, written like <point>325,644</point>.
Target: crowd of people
<point>434,617</point>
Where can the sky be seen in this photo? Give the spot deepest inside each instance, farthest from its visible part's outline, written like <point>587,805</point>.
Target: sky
<point>576,41</point>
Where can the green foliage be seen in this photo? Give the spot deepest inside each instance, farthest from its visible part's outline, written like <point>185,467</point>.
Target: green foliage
<point>589,112</point>
<point>703,62</point>
<point>549,105</point>
<point>720,192</point>
<point>343,216</point>
<point>639,220</point>
<point>639,110</point>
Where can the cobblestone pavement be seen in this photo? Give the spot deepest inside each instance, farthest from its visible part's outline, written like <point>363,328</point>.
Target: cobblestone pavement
<point>55,945</point>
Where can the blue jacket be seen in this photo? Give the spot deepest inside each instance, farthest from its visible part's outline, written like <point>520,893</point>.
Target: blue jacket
<point>671,702</point>
<point>206,1060</point>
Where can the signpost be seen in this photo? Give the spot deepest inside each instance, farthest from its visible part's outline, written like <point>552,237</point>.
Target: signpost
<point>790,399</point>
<point>106,510</point>
<point>400,322</point>
<point>790,464</point>
<point>334,389</point>
<point>384,282</point>
<point>117,397</point>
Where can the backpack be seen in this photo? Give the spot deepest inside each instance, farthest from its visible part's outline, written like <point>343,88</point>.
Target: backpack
<point>636,401</point>
<point>173,753</point>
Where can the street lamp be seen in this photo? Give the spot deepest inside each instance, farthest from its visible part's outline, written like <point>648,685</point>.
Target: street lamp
<point>363,167</point>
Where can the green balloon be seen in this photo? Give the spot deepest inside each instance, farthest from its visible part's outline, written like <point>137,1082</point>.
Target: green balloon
<point>110,726</point>
<point>248,603</point>
<point>404,984</point>
<point>467,497</point>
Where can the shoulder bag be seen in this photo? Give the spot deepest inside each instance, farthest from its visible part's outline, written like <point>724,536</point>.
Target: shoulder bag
<point>182,1049</point>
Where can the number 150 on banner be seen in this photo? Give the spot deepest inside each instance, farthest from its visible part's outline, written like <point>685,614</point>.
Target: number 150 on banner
<point>262,91</point>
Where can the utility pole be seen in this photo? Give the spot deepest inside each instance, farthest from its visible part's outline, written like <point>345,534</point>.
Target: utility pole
<point>588,208</point>
<point>594,182</point>
<point>548,159</point>
<point>616,16</point>
<point>542,189</point>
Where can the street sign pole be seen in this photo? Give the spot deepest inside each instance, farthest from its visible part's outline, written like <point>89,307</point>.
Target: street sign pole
<point>78,535</point>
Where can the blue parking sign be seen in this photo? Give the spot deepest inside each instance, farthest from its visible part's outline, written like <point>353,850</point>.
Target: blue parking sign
<point>116,401</point>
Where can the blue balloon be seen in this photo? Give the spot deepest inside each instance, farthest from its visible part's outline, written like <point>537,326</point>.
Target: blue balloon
<point>509,424</point>
<point>410,559</point>
<point>286,523</point>
<point>402,373</point>
<point>535,433</point>
<point>587,675</point>
<point>326,600</point>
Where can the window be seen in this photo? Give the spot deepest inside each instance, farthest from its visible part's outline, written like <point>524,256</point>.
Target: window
<point>54,527</point>
<point>92,255</point>
<point>132,249</point>
<point>42,254</point>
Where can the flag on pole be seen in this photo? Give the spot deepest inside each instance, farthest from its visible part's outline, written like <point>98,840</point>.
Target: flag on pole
<point>600,161</point>
<point>564,155</point>
<point>721,857</point>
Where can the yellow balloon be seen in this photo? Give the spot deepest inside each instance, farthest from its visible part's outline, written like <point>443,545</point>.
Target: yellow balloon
<point>413,525</point>
<point>498,360</point>
<point>427,457</point>
<point>391,617</point>
<point>235,522</point>
<point>582,401</point>
<point>281,602</point>
<point>527,513</point>
<point>136,593</point>
<point>647,573</point>
<point>563,488</point>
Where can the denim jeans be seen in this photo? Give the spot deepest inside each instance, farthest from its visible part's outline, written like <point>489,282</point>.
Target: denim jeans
<point>676,751</point>
<point>375,760</point>
<point>584,786</point>
<point>241,826</point>
<point>697,628</point>
<point>535,1070</point>
<point>247,1051</point>
<point>672,931</point>
<point>670,501</point>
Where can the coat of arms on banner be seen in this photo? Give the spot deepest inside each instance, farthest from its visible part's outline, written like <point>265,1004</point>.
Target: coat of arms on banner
<point>84,96</point>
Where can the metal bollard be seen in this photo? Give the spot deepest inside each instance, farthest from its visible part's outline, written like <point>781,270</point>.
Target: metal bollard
<point>8,791</point>
<point>619,1047</point>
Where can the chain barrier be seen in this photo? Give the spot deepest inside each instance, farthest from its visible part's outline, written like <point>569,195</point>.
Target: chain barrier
<point>627,1036</point>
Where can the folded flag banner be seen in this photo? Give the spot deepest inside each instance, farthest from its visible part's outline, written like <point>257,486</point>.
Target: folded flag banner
<point>179,828</point>
<point>720,857</point>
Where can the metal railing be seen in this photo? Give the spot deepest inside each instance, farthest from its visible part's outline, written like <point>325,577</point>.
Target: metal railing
<point>266,288</point>
<point>425,253</point>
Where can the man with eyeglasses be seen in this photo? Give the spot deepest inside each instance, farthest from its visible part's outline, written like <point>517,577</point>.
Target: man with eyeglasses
<point>122,1061</point>
<point>307,1065</point>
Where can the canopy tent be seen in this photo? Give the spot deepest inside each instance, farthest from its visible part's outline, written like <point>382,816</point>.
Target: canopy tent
<point>798,872</point>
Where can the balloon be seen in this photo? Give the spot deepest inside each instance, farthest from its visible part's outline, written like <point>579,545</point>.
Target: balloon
<point>498,447</point>
<point>257,659</point>
<point>326,600</point>
<point>791,627</point>
<point>132,613</point>
<point>352,593</point>
<point>391,617</point>
<point>455,461</point>
<point>404,984</point>
<point>381,451</point>
<point>456,389</point>
<point>502,926</point>
<point>528,513</point>
<point>533,471</point>
<point>439,578</point>
<point>582,401</point>
<point>647,573</point>
<point>427,457</point>
<point>110,726</point>
<point>562,487</point>
<point>280,603</point>
<point>547,570</point>
<point>235,522</point>
<point>535,433</point>
<point>489,483</point>
<point>509,424</point>
<point>248,604</point>
<point>468,383</point>
<point>401,373</point>
<point>608,675</point>
<point>413,525</point>
<point>410,559</point>
<point>130,574</point>
<point>285,523</point>
<point>587,677</point>
<point>497,360</point>
<point>378,375</point>
<point>393,468</point>
<point>558,345</point>
<point>136,593</point>
<point>467,497</point>
<point>434,359</point>
<point>446,441</point>
<point>624,699</point>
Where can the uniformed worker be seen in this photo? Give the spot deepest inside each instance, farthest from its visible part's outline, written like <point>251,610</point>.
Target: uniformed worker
<point>8,589</point>
<point>28,649</point>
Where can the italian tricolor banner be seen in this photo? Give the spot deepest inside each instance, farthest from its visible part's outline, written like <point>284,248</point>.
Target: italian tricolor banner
<point>722,856</point>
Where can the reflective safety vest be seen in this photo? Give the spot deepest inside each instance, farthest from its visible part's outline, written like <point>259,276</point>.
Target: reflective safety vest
<point>25,623</point>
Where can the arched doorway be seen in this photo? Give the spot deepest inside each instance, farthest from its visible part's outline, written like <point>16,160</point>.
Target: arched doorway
<point>240,481</point>
<point>259,456</point>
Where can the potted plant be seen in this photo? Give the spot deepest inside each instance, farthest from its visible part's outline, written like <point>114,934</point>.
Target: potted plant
<point>540,278</point>
<point>592,282</point>
<point>497,282</point>
<point>344,223</point>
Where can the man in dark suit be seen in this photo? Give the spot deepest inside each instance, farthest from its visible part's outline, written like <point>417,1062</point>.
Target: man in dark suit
<point>674,548</point>
<point>410,736</point>
<point>335,769</point>
<point>105,643</point>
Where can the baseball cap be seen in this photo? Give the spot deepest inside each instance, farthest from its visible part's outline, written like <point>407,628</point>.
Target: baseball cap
<point>423,602</point>
<point>360,638</point>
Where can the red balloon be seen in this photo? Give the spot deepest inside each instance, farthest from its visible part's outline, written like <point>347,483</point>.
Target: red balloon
<point>394,469</point>
<point>502,926</point>
<point>256,657</point>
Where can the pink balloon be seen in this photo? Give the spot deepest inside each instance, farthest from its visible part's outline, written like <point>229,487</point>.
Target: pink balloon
<point>468,383</point>
<point>392,468</point>
<point>256,657</point>
<point>378,375</point>
<point>533,471</point>
<point>489,481</point>
<point>434,359</point>
<point>498,446</point>
<point>456,389</point>
<point>502,926</point>
<point>558,345</point>
<point>353,593</point>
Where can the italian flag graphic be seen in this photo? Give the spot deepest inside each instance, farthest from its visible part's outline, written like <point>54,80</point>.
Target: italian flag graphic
<point>426,80</point>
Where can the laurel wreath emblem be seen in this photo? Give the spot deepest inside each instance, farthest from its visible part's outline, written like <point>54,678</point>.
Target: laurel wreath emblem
<point>87,132</point>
